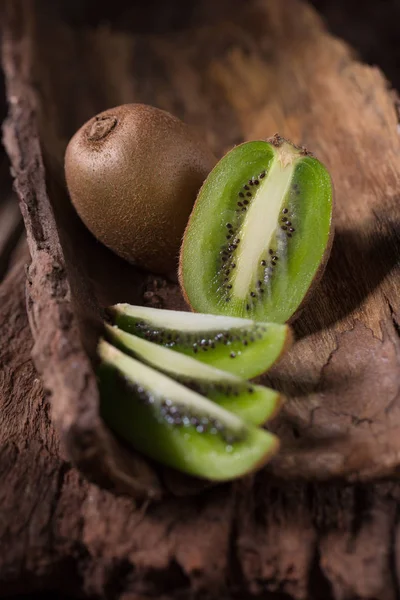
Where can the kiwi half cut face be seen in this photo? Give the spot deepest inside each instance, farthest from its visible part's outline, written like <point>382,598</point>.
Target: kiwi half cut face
<point>255,404</point>
<point>174,425</point>
<point>259,234</point>
<point>240,346</point>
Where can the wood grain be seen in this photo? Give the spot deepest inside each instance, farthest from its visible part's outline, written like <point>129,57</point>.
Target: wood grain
<point>342,415</point>
<point>237,71</point>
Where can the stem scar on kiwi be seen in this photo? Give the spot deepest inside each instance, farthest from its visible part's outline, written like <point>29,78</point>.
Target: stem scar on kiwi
<point>133,173</point>
<point>279,242</point>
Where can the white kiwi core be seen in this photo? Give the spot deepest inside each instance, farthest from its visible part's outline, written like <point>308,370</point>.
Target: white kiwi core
<point>262,219</point>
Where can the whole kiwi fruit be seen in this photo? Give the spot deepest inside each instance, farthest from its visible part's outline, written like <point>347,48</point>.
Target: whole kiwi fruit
<point>133,173</point>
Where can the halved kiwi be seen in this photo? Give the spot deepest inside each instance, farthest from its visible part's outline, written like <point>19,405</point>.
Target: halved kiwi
<point>174,425</point>
<point>255,404</point>
<point>259,234</point>
<point>239,346</point>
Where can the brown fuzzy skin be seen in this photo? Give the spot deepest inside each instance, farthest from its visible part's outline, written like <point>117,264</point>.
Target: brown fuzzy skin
<point>133,173</point>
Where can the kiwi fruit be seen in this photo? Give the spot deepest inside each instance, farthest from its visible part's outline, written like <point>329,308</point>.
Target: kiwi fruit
<point>174,425</point>
<point>255,404</point>
<point>260,232</point>
<point>240,346</point>
<point>133,173</point>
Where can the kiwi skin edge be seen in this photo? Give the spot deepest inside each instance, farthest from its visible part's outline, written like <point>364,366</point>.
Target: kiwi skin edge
<point>276,141</point>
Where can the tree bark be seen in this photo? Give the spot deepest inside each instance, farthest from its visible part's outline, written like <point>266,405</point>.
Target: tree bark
<point>261,537</point>
<point>236,71</point>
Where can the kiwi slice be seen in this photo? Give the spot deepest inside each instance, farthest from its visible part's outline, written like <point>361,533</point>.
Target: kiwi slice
<point>174,425</point>
<point>240,346</point>
<point>255,404</point>
<point>259,234</point>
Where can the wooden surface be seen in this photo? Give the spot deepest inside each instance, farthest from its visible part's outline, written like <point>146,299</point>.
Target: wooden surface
<point>235,73</point>
<point>259,538</point>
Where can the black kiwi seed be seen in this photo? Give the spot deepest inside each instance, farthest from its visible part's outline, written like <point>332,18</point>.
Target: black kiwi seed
<point>240,204</point>
<point>252,294</point>
<point>263,263</point>
<point>256,182</point>
<point>285,210</point>
<point>233,265</point>
<point>270,251</point>
<point>275,258</point>
<point>284,227</point>
<point>248,194</point>
<point>241,194</point>
<point>229,226</point>
<point>291,229</point>
<point>233,354</point>
<point>246,187</point>
<point>245,202</point>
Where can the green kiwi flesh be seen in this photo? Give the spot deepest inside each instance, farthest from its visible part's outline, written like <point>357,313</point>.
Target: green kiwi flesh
<point>259,234</point>
<point>174,425</point>
<point>255,404</point>
<point>240,346</point>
